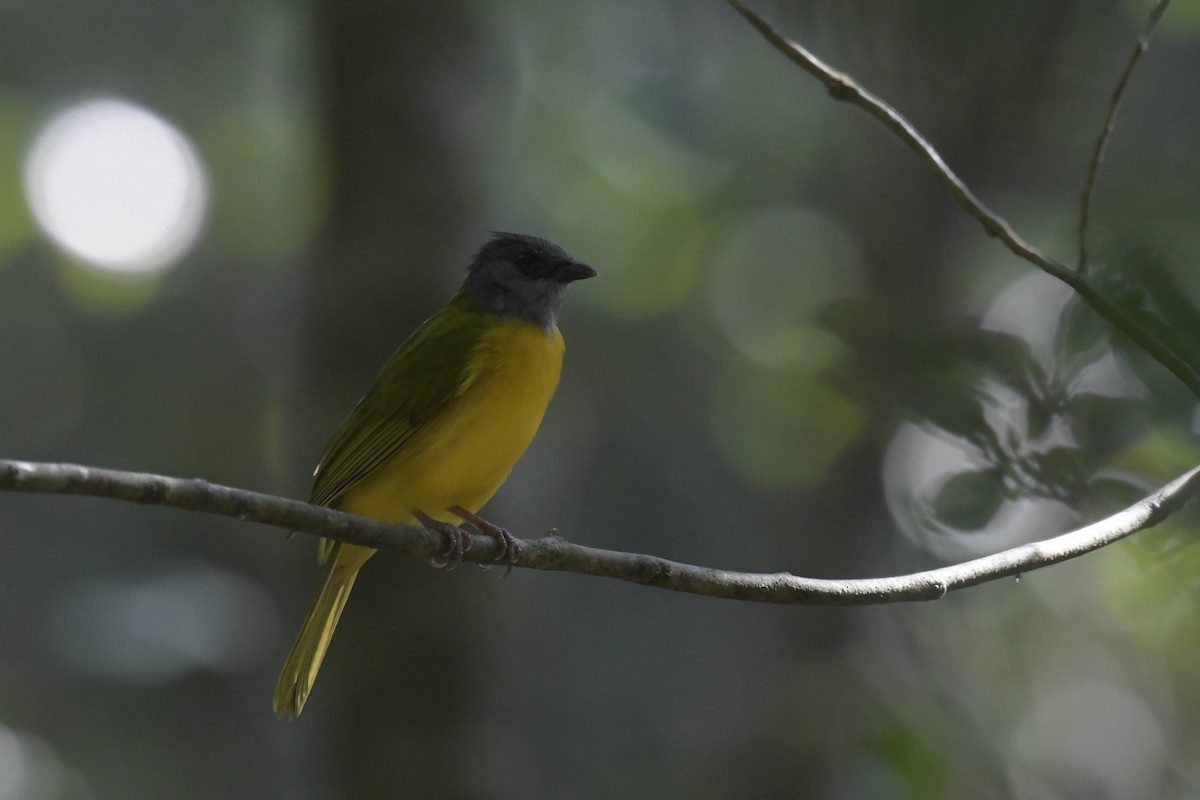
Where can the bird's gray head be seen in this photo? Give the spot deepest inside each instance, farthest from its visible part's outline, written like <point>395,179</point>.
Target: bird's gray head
<point>523,277</point>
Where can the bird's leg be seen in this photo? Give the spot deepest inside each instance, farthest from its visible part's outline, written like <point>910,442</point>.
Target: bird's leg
<point>508,545</point>
<point>457,538</point>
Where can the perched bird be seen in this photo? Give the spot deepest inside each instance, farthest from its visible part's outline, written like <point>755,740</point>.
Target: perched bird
<point>442,426</point>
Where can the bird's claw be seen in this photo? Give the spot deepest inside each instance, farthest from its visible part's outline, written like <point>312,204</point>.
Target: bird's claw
<point>458,542</point>
<point>510,551</point>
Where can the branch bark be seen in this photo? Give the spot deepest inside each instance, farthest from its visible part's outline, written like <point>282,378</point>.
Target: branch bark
<point>842,87</point>
<point>553,553</point>
<point>1110,121</point>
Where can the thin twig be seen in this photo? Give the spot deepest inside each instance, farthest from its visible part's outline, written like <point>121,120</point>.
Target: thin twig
<point>1114,106</point>
<point>842,87</point>
<point>555,554</point>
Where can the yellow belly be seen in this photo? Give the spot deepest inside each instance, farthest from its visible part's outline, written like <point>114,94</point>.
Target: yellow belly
<point>462,456</point>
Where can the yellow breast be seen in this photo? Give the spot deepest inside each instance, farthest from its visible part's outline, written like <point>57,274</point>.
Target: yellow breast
<point>462,456</point>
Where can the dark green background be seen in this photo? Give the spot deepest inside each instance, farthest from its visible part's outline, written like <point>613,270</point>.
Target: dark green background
<point>792,324</point>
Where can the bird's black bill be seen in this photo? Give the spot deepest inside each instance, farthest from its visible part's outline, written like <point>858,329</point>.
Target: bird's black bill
<point>574,271</point>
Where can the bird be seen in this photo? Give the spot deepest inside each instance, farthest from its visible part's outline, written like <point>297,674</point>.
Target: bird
<point>441,427</point>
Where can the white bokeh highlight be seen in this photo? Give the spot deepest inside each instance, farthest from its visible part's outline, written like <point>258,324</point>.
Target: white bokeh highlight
<point>116,186</point>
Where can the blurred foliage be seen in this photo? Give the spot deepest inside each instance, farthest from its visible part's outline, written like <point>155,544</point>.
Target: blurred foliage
<point>103,293</point>
<point>798,356</point>
<point>269,155</point>
<point>16,226</point>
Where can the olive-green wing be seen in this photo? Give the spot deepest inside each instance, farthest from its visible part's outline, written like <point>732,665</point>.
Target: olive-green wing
<point>414,386</point>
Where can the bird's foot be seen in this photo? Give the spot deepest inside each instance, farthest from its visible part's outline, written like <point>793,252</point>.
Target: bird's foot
<point>457,542</point>
<point>509,550</point>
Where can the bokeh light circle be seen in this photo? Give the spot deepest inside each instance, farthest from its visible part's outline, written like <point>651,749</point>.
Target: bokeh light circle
<point>116,186</point>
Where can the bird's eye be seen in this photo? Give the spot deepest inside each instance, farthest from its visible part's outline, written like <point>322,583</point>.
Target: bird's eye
<point>495,287</point>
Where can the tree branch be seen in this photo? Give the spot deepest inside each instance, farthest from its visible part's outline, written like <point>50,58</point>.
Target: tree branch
<point>1114,106</point>
<point>552,553</point>
<point>842,87</point>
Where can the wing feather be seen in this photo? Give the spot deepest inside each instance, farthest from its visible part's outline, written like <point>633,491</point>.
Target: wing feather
<point>416,384</point>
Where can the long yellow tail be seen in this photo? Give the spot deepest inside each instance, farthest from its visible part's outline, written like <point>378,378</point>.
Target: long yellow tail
<point>300,669</point>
